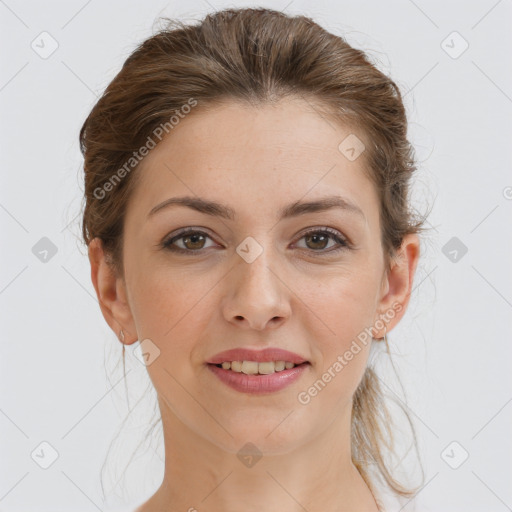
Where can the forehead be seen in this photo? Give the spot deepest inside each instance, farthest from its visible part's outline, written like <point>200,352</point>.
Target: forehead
<point>292,124</point>
<point>275,152</point>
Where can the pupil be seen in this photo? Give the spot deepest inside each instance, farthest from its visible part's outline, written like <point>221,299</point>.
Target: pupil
<point>194,239</point>
<point>315,240</point>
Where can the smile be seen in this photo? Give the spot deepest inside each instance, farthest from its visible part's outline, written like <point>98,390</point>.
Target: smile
<point>256,378</point>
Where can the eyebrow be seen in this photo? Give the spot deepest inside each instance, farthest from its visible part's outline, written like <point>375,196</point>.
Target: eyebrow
<point>295,209</point>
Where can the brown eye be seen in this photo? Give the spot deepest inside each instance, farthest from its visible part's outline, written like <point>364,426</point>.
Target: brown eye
<point>318,240</point>
<point>190,241</point>
<point>193,241</point>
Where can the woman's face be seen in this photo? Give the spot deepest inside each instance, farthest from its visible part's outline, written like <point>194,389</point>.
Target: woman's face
<point>254,279</point>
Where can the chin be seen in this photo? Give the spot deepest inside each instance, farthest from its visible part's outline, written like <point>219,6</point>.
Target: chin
<point>261,437</point>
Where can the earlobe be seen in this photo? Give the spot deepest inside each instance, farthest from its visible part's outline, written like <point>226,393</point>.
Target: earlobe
<point>111,293</point>
<point>399,280</point>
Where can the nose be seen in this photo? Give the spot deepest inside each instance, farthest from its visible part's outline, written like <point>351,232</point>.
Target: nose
<point>256,296</point>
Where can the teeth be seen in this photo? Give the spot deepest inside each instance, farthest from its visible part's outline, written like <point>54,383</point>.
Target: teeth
<point>250,367</point>
<point>236,366</point>
<point>253,367</point>
<point>281,365</point>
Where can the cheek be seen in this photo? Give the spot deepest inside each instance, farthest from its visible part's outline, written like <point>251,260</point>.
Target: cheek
<point>343,306</point>
<point>173,309</point>
<point>170,313</point>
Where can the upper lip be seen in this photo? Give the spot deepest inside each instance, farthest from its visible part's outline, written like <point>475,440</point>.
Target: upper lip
<point>267,354</point>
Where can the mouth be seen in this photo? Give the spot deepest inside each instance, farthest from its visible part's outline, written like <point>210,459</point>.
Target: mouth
<point>253,371</point>
<point>258,368</point>
<point>258,378</point>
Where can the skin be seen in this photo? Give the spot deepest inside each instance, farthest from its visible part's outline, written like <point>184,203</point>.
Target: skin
<point>192,306</point>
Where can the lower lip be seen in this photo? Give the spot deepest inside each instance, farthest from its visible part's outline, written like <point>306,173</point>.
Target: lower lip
<point>256,384</point>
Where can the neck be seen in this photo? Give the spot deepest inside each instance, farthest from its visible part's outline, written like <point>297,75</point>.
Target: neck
<point>317,475</point>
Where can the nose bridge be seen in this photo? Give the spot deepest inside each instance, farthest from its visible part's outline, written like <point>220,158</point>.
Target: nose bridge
<point>258,275</point>
<point>256,294</point>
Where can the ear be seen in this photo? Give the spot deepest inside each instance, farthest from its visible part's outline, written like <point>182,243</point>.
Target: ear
<point>397,284</point>
<point>111,292</point>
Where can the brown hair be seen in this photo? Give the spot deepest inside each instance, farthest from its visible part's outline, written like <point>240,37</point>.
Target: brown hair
<point>255,56</point>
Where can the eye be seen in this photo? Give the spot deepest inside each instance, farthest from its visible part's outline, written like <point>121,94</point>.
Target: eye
<point>191,240</point>
<point>318,239</point>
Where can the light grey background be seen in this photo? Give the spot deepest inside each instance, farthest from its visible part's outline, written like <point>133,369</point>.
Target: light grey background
<point>59,380</point>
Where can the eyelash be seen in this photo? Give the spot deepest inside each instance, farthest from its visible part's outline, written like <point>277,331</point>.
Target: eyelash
<point>333,235</point>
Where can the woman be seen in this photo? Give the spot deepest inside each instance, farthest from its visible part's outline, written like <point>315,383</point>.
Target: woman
<point>247,219</point>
